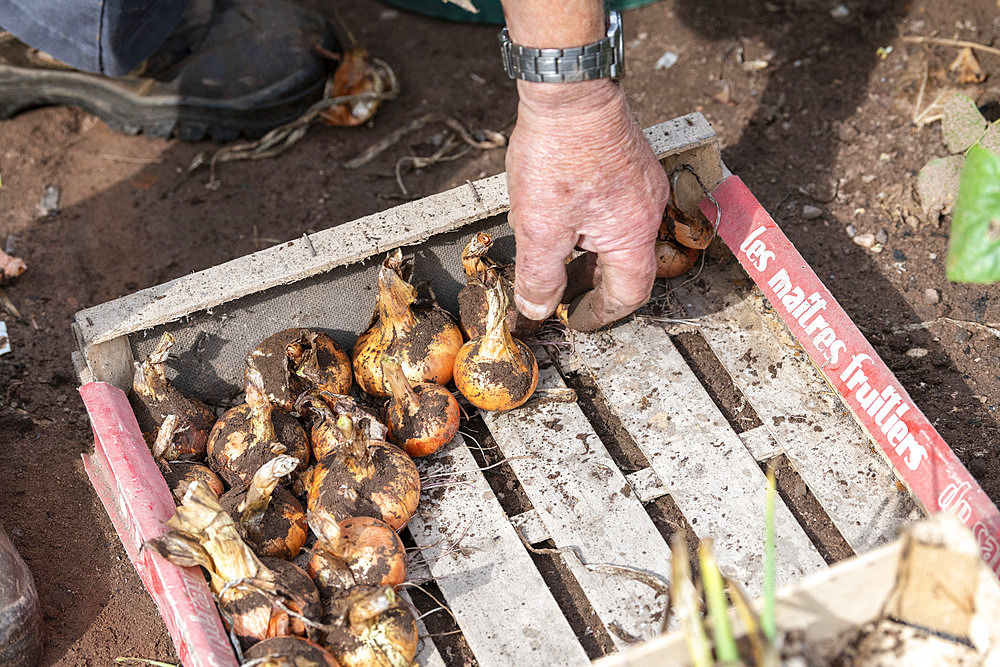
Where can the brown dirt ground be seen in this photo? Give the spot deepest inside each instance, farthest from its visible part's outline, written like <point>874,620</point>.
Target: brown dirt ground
<point>827,122</point>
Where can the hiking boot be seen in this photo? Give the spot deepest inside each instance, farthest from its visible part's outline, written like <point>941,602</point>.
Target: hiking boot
<point>231,67</point>
<point>20,614</point>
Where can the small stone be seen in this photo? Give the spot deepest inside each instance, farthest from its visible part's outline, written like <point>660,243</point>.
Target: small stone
<point>962,336</point>
<point>866,240</point>
<point>916,352</point>
<point>913,221</point>
<point>881,236</point>
<point>933,255</point>
<point>899,255</point>
<point>851,231</point>
<point>840,12</point>
<point>810,212</point>
<point>932,296</point>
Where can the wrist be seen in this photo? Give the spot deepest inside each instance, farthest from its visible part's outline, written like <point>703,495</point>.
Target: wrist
<point>560,98</point>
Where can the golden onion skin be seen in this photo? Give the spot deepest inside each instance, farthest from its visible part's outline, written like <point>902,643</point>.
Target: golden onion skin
<point>424,339</point>
<point>280,533</point>
<point>382,483</point>
<point>673,259</point>
<point>496,384</point>
<point>433,425</point>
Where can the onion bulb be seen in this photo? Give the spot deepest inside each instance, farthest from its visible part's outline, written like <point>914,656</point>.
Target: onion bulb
<point>294,360</point>
<point>364,478</point>
<point>269,517</point>
<point>358,551</point>
<point>179,474</point>
<point>497,371</point>
<point>673,259</point>
<point>481,273</point>
<point>246,587</point>
<point>422,417</point>
<point>156,398</point>
<point>249,435</point>
<point>371,627</point>
<point>325,436</point>
<point>288,652</point>
<point>425,338</point>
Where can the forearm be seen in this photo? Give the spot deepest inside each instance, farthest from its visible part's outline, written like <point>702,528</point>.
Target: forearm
<point>556,24</point>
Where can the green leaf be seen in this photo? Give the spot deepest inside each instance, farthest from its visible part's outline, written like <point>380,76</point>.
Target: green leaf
<point>937,184</point>
<point>961,124</point>
<point>974,250</point>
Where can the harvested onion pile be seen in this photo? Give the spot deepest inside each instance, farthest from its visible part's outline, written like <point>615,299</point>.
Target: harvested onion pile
<point>317,460</point>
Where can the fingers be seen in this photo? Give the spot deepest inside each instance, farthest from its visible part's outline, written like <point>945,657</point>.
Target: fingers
<point>540,266</point>
<point>626,280</point>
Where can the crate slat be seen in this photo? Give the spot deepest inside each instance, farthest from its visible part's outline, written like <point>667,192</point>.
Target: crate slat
<point>589,509</point>
<point>713,478</point>
<point>505,610</point>
<point>855,485</point>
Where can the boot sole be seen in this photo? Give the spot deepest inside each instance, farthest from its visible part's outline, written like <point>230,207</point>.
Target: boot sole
<point>160,117</point>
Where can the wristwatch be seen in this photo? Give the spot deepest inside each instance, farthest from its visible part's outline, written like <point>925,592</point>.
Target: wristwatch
<point>597,60</point>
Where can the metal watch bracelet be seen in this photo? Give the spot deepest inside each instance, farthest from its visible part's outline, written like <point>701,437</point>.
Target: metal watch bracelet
<point>598,60</point>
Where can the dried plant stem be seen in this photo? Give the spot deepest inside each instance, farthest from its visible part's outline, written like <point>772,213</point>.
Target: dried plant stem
<point>917,39</point>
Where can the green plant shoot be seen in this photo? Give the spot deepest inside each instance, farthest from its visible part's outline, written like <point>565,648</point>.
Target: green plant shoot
<point>726,650</point>
<point>974,250</point>
<point>768,614</point>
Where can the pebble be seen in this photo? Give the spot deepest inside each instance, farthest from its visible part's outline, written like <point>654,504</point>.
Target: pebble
<point>851,231</point>
<point>916,352</point>
<point>932,296</point>
<point>810,212</point>
<point>881,236</point>
<point>866,240</point>
<point>899,255</point>
<point>962,336</point>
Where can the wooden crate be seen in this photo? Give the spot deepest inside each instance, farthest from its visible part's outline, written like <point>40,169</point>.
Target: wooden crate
<point>593,511</point>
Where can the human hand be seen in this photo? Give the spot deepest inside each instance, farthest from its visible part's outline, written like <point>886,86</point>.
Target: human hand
<point>580,173</point>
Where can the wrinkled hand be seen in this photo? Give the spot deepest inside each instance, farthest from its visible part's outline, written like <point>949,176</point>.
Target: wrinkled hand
<point>581,174</point>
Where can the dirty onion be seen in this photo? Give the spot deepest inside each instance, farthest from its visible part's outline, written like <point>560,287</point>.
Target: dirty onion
<point>358,551</point>
<point>249,435</point>
<point>425,339</point>
<point>422,417</point>
<point>294,360</point>
<point>179,474</point>
<point>497,371</point>
<point>202,533</point>
<point>271,519</point>
<point>156,398</point>
<point>371,627</point>
<point>482,273</point>
<point>362,477</point>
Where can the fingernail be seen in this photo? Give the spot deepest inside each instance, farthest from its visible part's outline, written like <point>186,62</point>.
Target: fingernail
<point>530,310</point>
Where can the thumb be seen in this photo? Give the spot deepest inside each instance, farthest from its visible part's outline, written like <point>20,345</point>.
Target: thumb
<point>539,265</point>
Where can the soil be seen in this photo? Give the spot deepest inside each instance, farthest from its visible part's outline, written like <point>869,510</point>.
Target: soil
<point>809,112</point>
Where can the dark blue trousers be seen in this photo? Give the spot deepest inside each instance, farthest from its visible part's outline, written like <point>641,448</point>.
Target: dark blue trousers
<point>110,37</point>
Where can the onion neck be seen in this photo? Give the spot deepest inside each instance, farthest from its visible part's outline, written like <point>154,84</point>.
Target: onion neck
<point>399,386</point>
<point>394,301</point>
<point>163,449</point>
<point>497,341</point>
<point>472,255</point>
<point>262,486</point>
<point>260,407</point>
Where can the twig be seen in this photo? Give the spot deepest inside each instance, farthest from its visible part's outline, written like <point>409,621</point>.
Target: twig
<point>132,160</point>
<point>990,327</point>
<point>917,39</point>
<point>492,139</point>
<point>145,661</point>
